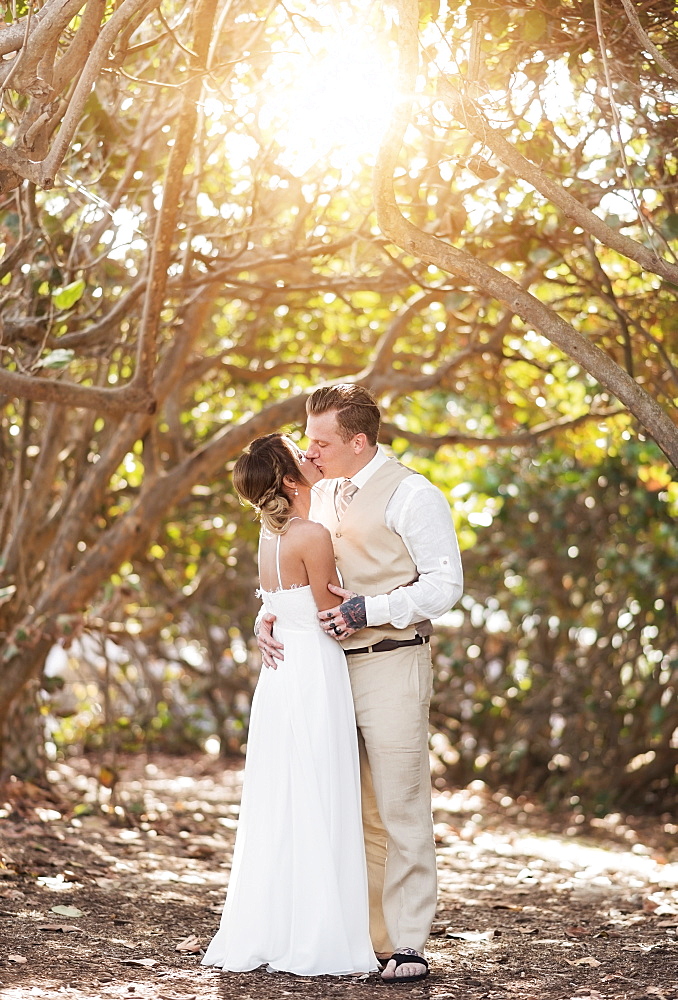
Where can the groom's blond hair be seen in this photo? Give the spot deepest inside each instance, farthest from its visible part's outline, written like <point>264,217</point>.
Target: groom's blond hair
<point>356,409</point>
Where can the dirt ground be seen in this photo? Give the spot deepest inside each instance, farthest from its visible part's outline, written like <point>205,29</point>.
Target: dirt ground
<point>115,895</point>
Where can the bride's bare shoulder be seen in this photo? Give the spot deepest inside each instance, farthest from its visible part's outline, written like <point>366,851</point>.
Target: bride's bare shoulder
<point>307,531</point>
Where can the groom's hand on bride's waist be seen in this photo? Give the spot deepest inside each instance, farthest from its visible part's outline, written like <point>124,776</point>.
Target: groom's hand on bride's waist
<point>348,617</point>
<point>271,650</point>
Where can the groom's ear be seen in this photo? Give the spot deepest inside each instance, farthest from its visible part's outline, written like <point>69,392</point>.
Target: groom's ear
<point>359,442</point>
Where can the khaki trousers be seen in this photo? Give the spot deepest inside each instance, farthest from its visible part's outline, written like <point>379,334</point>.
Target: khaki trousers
<point>391,693</point>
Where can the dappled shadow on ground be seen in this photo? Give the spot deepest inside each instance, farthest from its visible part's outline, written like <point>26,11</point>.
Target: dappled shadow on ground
<point>117,898</point>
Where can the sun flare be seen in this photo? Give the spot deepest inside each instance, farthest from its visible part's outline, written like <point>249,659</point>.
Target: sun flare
<point>338,105</point>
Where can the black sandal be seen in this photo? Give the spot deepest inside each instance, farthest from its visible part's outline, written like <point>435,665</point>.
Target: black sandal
<point>401,958</point>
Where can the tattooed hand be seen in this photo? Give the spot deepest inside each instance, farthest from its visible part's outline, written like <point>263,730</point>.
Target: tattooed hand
<point>354,614</point>
<point>346,618</point>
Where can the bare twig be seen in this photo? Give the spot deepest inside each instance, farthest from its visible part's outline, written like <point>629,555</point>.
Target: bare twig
<point>647,44</point>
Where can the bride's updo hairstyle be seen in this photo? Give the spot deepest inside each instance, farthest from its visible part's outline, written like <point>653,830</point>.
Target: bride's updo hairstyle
<point>258,478</point>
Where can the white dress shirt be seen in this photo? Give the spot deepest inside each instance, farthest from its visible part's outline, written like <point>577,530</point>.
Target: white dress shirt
<point>420,514</point>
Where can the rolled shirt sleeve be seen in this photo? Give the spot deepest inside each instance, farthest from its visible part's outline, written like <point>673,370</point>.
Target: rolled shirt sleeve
<point>421,515</point>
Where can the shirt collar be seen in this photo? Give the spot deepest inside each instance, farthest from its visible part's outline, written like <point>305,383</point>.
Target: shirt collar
<point>361,478</point>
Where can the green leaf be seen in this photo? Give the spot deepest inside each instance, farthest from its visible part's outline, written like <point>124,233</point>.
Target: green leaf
<point>66,297</point>
<point>456,300</point>
<point>540,255</point>
<point>60,358</point>
<point>534,26</point>
<point>671,226</point>
<point>499,22</point>
<point>428,11</point>
<point>366,299</point>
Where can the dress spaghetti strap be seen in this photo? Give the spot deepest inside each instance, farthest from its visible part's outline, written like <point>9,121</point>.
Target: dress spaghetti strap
<point>277,561</point>
<point>277,552</point>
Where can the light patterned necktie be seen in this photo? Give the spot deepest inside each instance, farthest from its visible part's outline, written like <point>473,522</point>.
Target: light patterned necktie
<point>345,494</point>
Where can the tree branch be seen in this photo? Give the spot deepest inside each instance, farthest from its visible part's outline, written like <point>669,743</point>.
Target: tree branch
<point>434,251</point>
<point>97,58</point>
<point>644,40</point>
<point>126,397</point>
<point>76,53</point>
<point>431,442</point>
<point>469,116</point>
<point>383,351</point>
<point>165,227</point>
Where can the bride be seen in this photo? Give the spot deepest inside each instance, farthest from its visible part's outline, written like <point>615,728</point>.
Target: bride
<point>297,895</point>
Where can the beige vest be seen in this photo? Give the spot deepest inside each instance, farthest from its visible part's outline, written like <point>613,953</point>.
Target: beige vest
<point>371,559</point>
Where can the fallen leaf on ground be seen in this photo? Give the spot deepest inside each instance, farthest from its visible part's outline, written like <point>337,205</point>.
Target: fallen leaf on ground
<point>200,851</point>
<point>472,935</point>
<point>593,962</point>
<point>67,911</point>
<point>577,931</point>
<point>177,996</point>
<point>147,962</point>
<point>189,944</point>
<point>438,927</point>
<point>66,928</point>
<point>19,959</point>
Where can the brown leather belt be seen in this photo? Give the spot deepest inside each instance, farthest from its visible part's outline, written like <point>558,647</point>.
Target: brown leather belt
<point>385,645</point>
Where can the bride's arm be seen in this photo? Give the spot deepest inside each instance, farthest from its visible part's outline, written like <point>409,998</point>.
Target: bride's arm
<point>317,556</point>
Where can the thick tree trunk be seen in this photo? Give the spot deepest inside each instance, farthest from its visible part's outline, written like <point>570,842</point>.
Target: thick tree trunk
<point>22,737</point>
<point>29,635</point>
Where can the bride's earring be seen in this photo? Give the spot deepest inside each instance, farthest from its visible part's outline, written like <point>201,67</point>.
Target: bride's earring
<point>296,493</point>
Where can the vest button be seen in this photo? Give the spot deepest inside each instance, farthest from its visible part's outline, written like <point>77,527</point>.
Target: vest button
<point>338,534</point>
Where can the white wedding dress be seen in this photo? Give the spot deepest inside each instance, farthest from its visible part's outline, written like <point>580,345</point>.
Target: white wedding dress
<point>297,895</point>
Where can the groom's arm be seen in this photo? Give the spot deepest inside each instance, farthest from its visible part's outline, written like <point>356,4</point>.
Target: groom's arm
<point>420,514</point>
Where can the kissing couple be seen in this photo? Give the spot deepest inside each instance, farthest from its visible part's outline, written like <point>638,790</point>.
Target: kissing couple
<point>334,868</point>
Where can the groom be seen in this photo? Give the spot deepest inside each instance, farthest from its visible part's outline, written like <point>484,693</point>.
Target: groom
<point>398,557</point>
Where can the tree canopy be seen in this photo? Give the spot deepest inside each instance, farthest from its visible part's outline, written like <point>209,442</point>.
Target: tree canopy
<point>208,209</point>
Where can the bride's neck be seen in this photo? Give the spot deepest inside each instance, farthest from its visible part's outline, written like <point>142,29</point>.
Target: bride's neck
<point>301,505</point>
